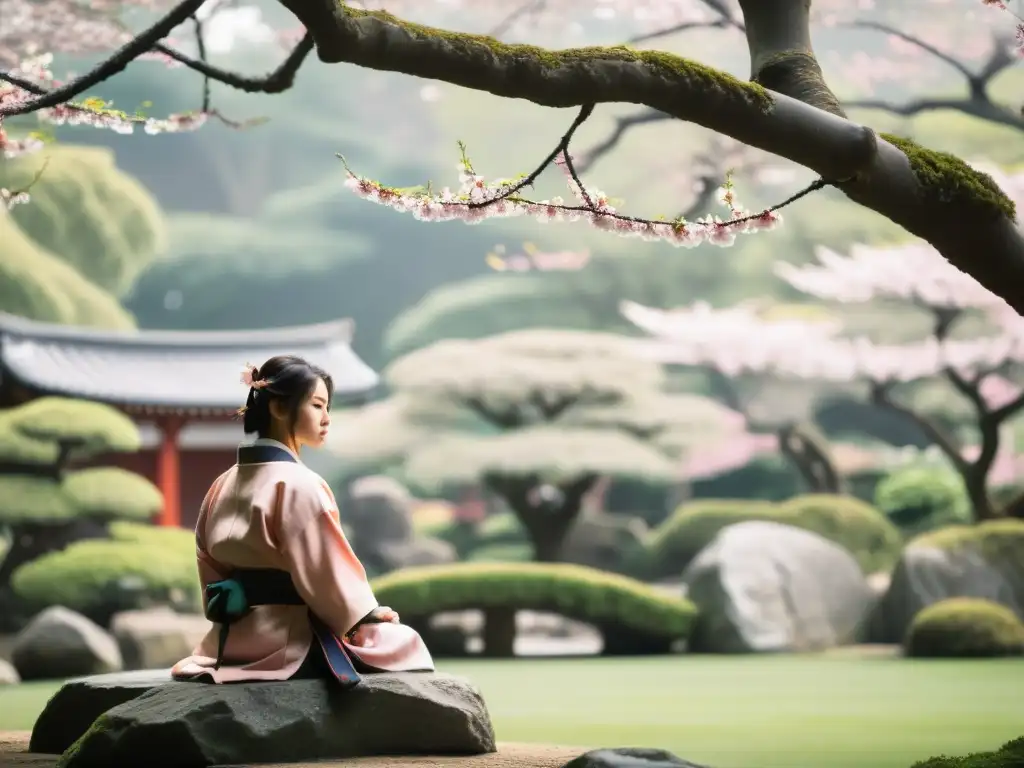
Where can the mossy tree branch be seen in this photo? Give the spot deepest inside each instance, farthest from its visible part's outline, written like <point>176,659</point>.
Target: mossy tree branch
<point>930,194</point>
<point>961,212</point>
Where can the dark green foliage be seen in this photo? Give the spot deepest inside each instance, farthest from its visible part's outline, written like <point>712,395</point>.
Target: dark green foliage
<point>500,530</point>
<point>1010,755</point>
<point>921,498</point>
<point>136,566</point>
<point>768,478</point>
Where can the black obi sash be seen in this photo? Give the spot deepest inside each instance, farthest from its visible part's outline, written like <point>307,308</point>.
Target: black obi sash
<point>231,599</point>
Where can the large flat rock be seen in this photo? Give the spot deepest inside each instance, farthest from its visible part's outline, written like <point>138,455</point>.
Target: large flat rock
<point>146,718</point>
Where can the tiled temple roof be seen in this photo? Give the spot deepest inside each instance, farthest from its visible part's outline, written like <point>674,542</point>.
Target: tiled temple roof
<point>156,371</point>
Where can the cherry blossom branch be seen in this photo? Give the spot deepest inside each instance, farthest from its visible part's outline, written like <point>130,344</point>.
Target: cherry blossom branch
<point>12,197</point>
<point>109,67</point>
<point>978,103</point>
<point>881,395</point>
<point>478,200</point>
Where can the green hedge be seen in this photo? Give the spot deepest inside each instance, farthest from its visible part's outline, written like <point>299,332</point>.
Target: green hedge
<point>574,591</point>
<point>922,498</point>
<point>1010,755</point>
<point>849,522</point>
<point>964,627</point>
<point>139,565</point>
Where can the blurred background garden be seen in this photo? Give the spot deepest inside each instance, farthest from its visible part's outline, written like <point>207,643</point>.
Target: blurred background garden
<point>760,505</point>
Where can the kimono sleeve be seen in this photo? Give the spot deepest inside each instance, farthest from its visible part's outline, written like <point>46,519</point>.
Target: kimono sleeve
<point>326,572</point>
<point>209,569</point>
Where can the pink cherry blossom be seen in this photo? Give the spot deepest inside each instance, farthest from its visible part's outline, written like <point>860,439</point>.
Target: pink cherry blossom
<point>478,199</point>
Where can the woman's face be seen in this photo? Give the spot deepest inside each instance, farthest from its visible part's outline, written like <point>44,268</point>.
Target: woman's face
<point>313,419</point>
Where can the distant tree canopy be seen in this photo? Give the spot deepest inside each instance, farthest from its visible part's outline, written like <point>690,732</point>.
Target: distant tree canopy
<point>537,416</point>
<point>88,233</point>
<point>85,210</point>
<point>39,285</point>
<point>45,505</point>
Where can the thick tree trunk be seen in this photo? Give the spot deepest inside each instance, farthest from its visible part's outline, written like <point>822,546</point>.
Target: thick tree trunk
<point>546,525</point>
<point>977,491</point>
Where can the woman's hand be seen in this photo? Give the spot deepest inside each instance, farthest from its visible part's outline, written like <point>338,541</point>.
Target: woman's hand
<point>384,615</point>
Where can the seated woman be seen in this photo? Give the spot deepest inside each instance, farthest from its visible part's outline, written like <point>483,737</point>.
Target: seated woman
<point>287,595</point>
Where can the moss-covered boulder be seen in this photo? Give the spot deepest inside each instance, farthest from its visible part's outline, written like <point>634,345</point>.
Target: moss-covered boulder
<point>965,627</point>
<point>1010,755</point>
<point>853,524</point>
<point>631,616</point>
<point>982,561</point>
<point>138,566</point>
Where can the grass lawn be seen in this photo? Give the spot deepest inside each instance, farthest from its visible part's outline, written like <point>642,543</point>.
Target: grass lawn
<point>733,712</point>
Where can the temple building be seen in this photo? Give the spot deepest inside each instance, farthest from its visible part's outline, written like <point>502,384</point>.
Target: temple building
<point>181,388</point>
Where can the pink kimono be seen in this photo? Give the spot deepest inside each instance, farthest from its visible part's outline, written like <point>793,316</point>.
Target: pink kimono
<point>271,512</point>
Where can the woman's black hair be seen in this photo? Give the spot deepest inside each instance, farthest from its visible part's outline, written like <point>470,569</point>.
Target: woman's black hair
<point>288,379</point>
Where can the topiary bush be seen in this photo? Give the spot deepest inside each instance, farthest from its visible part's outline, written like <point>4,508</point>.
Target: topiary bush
<point>964,627</point>
<point>632,616</point>
<point>139,565</point>
<point>849,522</point>
<point>921,498</point>
<point>1010,755</point>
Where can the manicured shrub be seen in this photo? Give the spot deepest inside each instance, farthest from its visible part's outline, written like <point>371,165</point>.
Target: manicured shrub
<point>922,498</point>
<point>965,627</point>
<point>620,607</point>
<point>847,521</point>
<point>139,565</point>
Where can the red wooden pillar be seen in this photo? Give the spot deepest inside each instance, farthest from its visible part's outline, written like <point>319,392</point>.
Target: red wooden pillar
<point>168,470</point>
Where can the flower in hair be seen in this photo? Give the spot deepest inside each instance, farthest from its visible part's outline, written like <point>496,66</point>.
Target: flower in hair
<point>248,377</point>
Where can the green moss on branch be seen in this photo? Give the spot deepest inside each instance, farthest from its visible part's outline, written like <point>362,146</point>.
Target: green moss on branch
<point>946,178</point>
<point>698,75</point>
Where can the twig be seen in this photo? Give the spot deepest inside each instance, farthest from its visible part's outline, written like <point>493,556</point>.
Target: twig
<point>110,66</point>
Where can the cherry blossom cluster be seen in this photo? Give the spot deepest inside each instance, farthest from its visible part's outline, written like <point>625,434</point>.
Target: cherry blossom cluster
<point>741,341</point>
<point>91,112</point>
<point>478,199</point>
<point>532,259</point>
<point>1018,25</point>
<point>734,341</point>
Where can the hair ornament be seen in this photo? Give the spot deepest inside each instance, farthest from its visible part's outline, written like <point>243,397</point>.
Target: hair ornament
<point>249,377</point>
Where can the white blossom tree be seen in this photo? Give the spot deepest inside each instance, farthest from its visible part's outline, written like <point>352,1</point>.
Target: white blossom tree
<point>786,109</point>
<point>986,368</point>
<point>537,417</point>
<point>736,345</point>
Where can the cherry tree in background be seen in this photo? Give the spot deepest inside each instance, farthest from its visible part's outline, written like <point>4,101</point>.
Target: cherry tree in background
<point>986,371</point>
<point>537,417</point>
<point>736,344</point>
<point>788,111</point>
